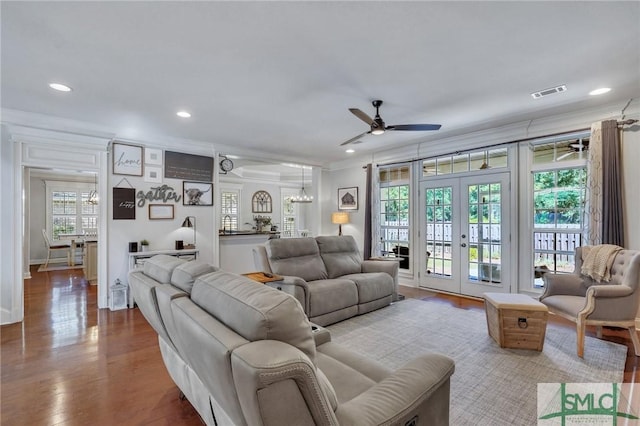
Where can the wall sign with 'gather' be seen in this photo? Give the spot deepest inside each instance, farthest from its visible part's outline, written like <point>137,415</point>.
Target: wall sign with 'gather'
<point>162,193</point>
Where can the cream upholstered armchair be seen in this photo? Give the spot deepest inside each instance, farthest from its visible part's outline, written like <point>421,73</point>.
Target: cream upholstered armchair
<point>585,301</point>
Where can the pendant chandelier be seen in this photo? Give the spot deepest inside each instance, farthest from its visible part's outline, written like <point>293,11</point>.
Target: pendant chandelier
<point>302,197</point>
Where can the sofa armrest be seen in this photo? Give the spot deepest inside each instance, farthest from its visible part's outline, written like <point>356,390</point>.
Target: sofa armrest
<point>566,284</point>
<point>260,259</point>
<point>295,286</point>
<point>609,291</point>
<point>276,383</point>
<point>320,334</point>
<point>419,388</point>
<point>391,267</point>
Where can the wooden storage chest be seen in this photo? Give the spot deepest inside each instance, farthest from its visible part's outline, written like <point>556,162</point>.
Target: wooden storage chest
<point>516,320</point>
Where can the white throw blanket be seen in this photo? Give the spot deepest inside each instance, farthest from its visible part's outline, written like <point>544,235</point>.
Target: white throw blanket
<point>597,261</point>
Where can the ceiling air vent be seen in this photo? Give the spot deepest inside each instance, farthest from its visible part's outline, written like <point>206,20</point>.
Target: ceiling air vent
<point>550,91</point>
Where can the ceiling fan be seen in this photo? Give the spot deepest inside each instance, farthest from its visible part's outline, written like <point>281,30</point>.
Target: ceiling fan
<point>378,127</point>
<point>577,146</point>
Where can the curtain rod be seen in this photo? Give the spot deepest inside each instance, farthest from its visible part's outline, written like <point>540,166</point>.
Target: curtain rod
<point>627,122</point>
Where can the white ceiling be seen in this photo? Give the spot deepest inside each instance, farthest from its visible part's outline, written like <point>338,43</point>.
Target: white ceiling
<point>279,77</point>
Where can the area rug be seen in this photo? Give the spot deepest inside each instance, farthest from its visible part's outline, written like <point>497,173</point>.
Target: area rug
<point>57,267</point>
<point>490,386</point>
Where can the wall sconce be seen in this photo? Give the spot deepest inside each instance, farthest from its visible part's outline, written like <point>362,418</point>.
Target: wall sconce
<point>340,218</point>
<point>187,223</point>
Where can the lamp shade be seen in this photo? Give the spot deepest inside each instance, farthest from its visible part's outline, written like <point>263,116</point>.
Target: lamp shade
<point>187,223</point>
<point>340,218</point>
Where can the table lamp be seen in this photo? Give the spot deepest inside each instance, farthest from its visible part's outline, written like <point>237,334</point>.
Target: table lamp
<point>187,223</point>
<point>340,218</point>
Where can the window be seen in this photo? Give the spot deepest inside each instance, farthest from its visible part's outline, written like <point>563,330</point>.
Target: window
<point>289,214</point>
<point>69,210</point>
<point>394,213</point>
<point>229,202</point>
<point>459,163</point>
<point>558,204</point>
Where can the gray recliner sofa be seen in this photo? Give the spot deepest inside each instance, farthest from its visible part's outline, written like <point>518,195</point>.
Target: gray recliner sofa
<point>245,354</point>
<point>328,276</point>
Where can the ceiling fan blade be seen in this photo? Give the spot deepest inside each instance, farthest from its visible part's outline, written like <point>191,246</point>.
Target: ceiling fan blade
<point>354,139</point>
<point>362,116</point>
<point>565,155</point>
<point>415,127</point>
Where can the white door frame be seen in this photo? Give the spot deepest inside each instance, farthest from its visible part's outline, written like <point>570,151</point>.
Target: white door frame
<point>459,281</point>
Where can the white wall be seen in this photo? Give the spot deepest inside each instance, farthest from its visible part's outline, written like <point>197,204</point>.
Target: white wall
<point>161,234</point>
<point>250,188</point>
<point>344,178</point>
<point>10,304</point>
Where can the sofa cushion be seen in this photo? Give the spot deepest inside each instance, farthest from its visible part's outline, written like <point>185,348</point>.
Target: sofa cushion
<point>184,275</point>
<point>372,285</point>
<point>253,310</point>
<point>331,295</point>
<point>340,254</point>
<point>298,257</point>
<point>161,266</point>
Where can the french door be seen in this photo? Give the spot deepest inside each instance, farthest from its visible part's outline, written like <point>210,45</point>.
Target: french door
<point>464,234</point>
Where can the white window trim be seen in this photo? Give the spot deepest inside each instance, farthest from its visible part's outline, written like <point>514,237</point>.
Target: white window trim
<point>526,169</point>
<point>231,187</point>
<point>284,193</point>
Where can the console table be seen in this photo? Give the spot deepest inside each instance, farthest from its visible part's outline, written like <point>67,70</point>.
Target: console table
<point>137,259</point>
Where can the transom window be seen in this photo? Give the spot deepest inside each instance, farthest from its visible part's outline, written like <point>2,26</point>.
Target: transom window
<point>460,163</point>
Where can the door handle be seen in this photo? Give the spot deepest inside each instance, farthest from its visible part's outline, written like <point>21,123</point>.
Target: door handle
<point>463,245</point>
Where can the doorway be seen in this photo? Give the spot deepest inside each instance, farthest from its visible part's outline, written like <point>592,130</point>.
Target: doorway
<point>465,234</point>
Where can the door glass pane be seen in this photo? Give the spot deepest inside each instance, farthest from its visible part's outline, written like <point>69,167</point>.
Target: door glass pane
<point>484,248</point>
<point>438,239</point>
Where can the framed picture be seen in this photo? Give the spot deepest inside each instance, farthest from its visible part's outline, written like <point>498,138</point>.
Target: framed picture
<point>127,159</point>
<point>153,174</point>
<point>153,156</point>
<point>124,203</point>
<point>160,211</point>
<point>178,165</point>
<point>261,202</point>
<point>348,198</point>
<point>197,193</point>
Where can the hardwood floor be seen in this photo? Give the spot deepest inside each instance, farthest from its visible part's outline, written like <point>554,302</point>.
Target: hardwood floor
<point>69,363</point>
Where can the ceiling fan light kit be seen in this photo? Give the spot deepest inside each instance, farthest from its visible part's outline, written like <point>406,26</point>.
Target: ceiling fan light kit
<point>378,127</point>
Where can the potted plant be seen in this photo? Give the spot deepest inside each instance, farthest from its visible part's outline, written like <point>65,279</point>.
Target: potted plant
<point>144,245</point>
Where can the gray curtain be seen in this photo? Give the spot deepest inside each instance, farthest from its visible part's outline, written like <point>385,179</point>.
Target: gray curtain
<point>367,214</point>
<point>612,201</point>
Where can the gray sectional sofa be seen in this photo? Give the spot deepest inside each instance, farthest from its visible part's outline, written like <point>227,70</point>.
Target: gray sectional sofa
<point>328,276</point>
<point>246,354</point>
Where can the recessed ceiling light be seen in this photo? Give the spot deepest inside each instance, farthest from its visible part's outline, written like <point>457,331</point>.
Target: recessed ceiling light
<point>60,87</point>
<point>350,151</point>
<point>600,91</point>
<point>183,114</point>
